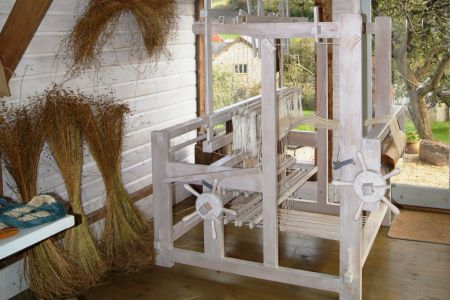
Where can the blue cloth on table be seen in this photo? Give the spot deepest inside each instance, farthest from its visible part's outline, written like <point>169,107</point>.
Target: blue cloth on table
<point>26,215</point>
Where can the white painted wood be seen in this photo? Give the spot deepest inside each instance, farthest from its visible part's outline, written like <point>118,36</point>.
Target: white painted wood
<point>182,227</point>
<point>383,72</point>
<point>159,95</point>
<point>258,270</point>
<point>370,231</point>
<point>322,110</point>
<point>350,88</point>
<point>214,247</point>
<point>11,282</point>
<point>269,147</point>
<point>366,12</point>
<point>217,143</point>
<point>30,236</point>
<point>382,129</point>
<point>371,149</point>
<point>271,19</point>
<point>422,196</point>
<point>339,7</point>
<point>274,30</point>
<point>163,200</point>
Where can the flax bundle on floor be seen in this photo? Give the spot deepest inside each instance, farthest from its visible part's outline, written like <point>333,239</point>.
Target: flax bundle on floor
<point>22,135</point>
<point>65,140</point>
<point>127,238</point>
<point>96,26</point>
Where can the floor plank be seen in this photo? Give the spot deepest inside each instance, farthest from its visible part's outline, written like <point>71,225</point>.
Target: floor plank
<point>395,270</point>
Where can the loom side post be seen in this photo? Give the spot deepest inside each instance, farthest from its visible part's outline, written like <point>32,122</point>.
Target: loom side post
<point>322,133</point>
<point>163,197</point>
<point>383,75</point>
<point>350,88</point>
<point>269,118</point>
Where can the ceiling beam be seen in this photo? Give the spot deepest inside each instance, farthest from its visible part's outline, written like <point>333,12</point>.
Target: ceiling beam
<point>18,31</point>
<point>4,88</point>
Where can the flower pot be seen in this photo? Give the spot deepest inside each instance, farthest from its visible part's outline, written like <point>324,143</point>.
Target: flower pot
<point>413,147</point>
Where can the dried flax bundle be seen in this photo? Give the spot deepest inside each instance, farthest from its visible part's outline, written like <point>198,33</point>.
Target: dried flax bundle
<point>66,144</point>
<point>127,239</point>
<point>22,135</point>
<point>96,26</point>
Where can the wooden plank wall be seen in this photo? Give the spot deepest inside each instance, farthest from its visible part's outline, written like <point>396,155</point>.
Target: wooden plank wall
<point>23,21</point>
<point>158,96</point>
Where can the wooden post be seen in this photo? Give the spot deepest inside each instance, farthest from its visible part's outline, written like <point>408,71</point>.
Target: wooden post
<point>383,76</point>
<point>350,71</point>
<point>213,248</point>
<point>207,48</point>
<point>322,133</point>
<point>383,72</point>
<point>200,59</point>
<point>325,15</point>
<point>162,199</point>
<point>366,8</point>
<point>269,152</point>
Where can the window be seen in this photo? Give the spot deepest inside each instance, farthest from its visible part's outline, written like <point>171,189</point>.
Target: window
<point>240,68</point>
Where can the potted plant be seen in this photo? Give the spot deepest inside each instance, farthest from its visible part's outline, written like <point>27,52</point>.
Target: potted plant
<point>412,142</point>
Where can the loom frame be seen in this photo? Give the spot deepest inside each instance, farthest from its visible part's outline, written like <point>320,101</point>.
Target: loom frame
<point>356,240</point>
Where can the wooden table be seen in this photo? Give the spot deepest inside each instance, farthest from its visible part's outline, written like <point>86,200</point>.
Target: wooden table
<point>30,236</point>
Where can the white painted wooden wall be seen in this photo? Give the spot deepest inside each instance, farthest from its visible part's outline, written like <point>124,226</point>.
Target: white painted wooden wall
<point>158,96</point>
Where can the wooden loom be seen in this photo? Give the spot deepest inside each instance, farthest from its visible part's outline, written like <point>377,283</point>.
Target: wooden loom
<point>256,195</point>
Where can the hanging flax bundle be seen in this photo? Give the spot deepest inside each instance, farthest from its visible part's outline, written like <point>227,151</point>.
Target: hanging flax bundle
<point>127,239</point>
<point>65,140</point>
<point>22,134</point>
<point>154,20</point>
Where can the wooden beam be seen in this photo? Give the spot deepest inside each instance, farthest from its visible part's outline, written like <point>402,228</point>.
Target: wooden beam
<point>162,199</point>
<point>321,151</point>
<point>20,27</point>
<point>350,93</point>
<point>4,88</point>
<point>269,147</point>
<point>325,15</point>
<point>257,270</point>
<point>383,71</point>
<point>274,30</point>
<point>199,57</point>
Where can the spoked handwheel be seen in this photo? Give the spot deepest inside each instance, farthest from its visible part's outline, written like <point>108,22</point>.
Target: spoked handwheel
<point>370,187</point>
<point>209,207</point>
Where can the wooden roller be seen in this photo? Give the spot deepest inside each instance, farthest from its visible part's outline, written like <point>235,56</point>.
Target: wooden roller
<point>392,153</point>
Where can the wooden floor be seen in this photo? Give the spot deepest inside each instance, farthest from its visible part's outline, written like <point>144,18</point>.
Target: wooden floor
<point>395,269</point>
